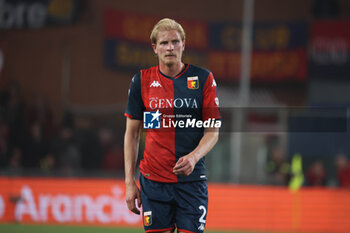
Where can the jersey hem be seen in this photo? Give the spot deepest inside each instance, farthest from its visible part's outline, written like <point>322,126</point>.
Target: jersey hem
<point>159,180</point>
<point>186,231</point>
<point>160,230</point>
<point>185,179</point>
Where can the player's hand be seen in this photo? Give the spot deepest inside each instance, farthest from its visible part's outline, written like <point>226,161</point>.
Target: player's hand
<point>132,195</point>
<point>185,165</point>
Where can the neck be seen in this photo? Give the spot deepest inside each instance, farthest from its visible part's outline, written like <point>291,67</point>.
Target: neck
<point>171,70</point>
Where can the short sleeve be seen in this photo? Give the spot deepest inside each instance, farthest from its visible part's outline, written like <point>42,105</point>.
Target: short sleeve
<point>210,107</point>
<point>135,106</point>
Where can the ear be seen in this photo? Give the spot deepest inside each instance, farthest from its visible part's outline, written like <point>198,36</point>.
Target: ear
<point>154,46</point>
<point>183,45</point>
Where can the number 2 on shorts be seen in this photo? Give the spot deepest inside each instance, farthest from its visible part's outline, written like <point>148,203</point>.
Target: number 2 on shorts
<point>202,218</point>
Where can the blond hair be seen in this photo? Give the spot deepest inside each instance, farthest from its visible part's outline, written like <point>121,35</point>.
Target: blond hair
<point>166,24</point>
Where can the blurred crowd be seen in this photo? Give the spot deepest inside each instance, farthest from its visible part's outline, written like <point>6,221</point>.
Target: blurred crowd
<point>31,140</point>
<point>316,174</point>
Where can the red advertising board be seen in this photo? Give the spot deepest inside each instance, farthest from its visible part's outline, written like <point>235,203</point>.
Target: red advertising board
<point>66,201</point>
<point>231,207</point>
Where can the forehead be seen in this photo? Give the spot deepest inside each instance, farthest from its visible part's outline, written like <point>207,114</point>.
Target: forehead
<point>168,35</point>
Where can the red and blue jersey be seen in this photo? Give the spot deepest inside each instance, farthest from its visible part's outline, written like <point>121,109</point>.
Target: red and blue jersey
<point>191,93</point>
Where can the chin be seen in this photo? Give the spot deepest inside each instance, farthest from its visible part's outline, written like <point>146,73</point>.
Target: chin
<point>169,63</point>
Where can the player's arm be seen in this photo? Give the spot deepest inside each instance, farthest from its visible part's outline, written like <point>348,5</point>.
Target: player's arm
<point>186,164</point>
<point>131,147</point>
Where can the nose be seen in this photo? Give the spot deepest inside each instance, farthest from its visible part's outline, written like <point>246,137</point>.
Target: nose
<point>170,46</point>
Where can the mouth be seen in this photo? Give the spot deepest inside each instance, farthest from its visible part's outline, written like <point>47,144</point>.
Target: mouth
<point>170,55</point>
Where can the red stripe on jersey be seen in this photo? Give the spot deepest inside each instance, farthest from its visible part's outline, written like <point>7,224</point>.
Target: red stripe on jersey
<point>210,99</point>
<point>186,231</point>
<point>182,72</point>
<point>159,154</point>
<point>128,115</point>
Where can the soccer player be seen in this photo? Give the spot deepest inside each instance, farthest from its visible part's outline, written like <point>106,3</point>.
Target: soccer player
<point>173,181</point>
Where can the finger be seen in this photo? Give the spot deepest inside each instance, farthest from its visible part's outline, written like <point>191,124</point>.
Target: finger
<point>139,202</point>
<point>179,173</point>
<point>131,205</point>
<point>136,211</point>
<point>183,167</point>
<point>133,208</point>
<point>180,163</point>
<point>187,170</point>
<point>179,169</point>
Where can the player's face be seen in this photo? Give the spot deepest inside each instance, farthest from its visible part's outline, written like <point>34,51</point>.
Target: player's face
<point>169,47</point>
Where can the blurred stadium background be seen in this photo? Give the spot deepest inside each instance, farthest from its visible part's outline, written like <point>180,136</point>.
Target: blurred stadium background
<point>282,69</point>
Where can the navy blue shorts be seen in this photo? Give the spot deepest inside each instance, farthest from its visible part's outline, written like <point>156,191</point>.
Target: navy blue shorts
<point>167,206</point>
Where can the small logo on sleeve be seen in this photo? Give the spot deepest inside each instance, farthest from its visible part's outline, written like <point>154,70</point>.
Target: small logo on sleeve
<point>147,218</point>
<point>151,120</point>
<point>192,82</point>
<point>213,83</point>
<point>217,101</point>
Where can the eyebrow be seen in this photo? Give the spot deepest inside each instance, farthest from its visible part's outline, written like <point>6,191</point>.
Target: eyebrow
<point>166,41</point>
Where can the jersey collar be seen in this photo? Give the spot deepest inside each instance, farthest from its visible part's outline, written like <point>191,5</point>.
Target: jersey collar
<point>178,75</point>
